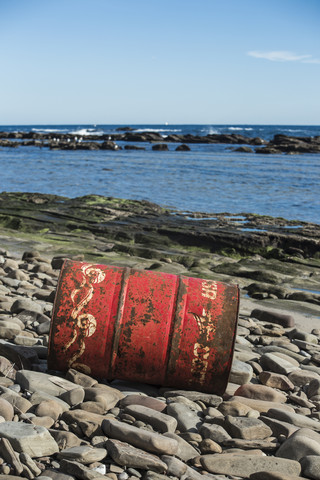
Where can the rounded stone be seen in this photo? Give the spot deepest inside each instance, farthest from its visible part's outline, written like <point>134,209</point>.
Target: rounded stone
<point>310,465</point>
<point>209,446</point>
<point>6,410</point>
<point>49,408</point>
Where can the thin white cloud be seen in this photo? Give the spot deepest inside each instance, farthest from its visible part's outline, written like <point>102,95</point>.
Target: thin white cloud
<point>283,56</point>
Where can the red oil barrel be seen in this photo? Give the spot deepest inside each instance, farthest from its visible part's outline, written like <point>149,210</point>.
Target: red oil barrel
<point>152,327</point>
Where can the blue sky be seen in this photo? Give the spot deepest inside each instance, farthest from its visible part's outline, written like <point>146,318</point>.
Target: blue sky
<point>144,61</point>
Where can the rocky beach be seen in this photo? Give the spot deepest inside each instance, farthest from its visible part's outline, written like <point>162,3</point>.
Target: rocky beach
<point>68,426</point>
<point>280,143</point>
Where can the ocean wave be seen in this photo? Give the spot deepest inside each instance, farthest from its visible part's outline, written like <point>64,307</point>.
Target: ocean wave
<point>87,131</point>
<point>49,130</point>
<point>158,130</point>
<point>240,128</point>
<point>210,131</point>
<point>292,130</point>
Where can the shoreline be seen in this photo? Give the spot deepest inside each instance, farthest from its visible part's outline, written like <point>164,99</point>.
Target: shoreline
<point>275,262</point>
<point>67,423</point>
<point>280,144</point>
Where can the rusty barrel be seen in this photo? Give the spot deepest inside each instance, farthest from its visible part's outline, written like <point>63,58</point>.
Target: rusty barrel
<point>114,322</point>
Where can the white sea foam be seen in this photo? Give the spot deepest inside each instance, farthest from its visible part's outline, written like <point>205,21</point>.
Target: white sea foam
<point>49,130</point>
<point>158,130</point>
<point>210,131</point>
<point>294,130</point>
<point>248,129</point>
<point>87,131</point>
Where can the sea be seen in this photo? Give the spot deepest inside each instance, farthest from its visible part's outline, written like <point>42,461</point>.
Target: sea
<point>209,178</point>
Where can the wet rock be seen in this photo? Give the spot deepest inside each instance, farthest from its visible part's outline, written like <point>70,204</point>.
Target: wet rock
<point>160,147</point>
<point>183,148</point>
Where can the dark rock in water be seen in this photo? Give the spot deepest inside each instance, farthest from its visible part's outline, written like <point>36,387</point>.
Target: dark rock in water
<point>124,129</point>
<point>109,145</point>
<point>175,138</point>
<point>268,150</point>
<point>257,141</point>
<point>160,147</point>
<point>183,148</point>
<point>142,137</point>
<point>243,150</point>
<point>133,147</point>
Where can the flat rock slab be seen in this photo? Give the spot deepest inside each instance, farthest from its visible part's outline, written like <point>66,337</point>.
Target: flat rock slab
<point>79,471</point>
<point>84,454</point>
<point>38,381</point>
<point>295,419</point>
<point>108,397</point>
<point>247,428</point>
<point>160,421</point>
<point>260,392</point>
<point>245,465</point>
<point>209,399</point>
<point>185,450</point>
<point>128,456</point>
<point>187,419</point>
<point>149,402</point>
<point>261,406</point>
<point>31,439</point>
<point>150,441</point>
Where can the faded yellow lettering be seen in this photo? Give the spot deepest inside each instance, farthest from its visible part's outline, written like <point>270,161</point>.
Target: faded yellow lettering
<point>209,290</point>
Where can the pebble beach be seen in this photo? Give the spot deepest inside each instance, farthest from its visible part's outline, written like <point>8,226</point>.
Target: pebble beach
<point>70,425</point>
